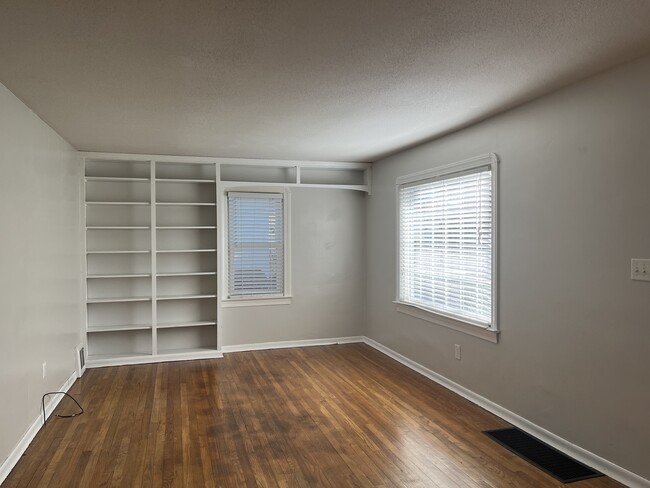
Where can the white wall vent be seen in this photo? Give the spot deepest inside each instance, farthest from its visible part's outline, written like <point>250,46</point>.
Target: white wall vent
<point>81,360</point>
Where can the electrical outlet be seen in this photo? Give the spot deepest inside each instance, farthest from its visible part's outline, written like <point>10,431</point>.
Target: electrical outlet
<point>44,369</point>
<point>457,351</point>
<point>641,269</point>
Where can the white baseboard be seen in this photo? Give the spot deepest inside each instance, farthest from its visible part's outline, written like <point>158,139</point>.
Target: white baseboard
<point>590,459</point>
<point>286,344</point>
<point>23,444</point>
<point>149,359</point>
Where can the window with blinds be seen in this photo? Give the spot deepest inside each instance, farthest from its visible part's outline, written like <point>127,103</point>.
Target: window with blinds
<point>446,244</point>
<point>255,244</point>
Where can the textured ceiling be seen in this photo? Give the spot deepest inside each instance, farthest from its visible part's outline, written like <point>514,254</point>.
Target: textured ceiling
<point>342,80</point>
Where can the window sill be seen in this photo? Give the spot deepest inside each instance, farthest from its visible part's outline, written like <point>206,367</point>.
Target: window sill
<point>255,302</point>
<point>484,333</point>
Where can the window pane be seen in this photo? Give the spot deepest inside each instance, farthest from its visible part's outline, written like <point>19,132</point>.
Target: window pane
<point>255,244</point>
<point>445,236</point>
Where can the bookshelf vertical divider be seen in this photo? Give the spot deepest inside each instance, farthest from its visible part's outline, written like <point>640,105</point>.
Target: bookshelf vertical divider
<point>220,248</point>
<point>154,247</point>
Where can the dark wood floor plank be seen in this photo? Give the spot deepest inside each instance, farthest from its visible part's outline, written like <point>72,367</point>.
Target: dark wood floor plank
<point>334,416</point>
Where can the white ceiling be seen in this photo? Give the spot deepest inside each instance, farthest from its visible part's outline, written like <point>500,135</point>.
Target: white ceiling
<point>336,80</point>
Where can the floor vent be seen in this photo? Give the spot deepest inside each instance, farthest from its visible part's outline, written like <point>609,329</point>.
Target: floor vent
<point>545,457</point>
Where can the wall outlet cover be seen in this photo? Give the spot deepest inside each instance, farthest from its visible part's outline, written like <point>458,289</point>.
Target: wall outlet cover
<point>640,269</point>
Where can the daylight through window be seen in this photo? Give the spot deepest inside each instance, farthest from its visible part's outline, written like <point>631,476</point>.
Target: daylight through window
<point>446,244</point>
<point>255,244</point>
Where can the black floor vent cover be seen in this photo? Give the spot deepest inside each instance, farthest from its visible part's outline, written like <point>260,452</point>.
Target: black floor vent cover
<point>546,458</point>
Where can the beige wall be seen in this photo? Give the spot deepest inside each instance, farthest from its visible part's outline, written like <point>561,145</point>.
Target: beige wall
<point>40,265</point>
<point>328,274</point>
<point>574,354</point>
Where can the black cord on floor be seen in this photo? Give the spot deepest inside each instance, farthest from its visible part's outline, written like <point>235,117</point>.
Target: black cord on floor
<point>61,416</point>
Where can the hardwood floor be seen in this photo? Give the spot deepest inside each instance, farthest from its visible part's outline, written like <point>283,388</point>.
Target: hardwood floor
<point>336,416</point>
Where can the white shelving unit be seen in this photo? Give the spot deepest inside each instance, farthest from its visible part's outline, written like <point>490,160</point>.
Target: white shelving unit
<point>152,247</point>
<point>139,213</point>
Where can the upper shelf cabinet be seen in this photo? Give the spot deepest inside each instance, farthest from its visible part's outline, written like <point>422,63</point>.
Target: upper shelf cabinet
<point>348,176</point>
<point>259,174</point>
<point>185,173</point>
<point>117,183</point>
<point>108,170</point>
<point>335,176</point>
<point>232,172</point>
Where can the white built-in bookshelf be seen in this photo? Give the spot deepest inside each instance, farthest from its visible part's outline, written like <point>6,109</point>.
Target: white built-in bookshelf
<point>152,244</point>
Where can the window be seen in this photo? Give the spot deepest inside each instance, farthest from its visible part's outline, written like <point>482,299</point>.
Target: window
<point>256,245</point>
<point>447,245</point>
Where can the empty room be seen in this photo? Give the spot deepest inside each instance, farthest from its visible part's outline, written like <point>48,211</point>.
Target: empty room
<point>369,243</point>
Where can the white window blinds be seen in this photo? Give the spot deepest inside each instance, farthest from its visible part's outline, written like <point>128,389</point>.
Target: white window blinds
<point>445,244</point>
<point>255,244</point>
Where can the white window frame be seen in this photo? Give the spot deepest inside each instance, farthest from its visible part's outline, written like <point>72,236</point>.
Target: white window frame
<point>489,333</point>
<point>257,300</point>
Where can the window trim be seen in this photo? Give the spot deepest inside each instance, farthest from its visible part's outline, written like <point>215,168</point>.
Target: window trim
<point>489,333</point>
<point>257,300</point>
